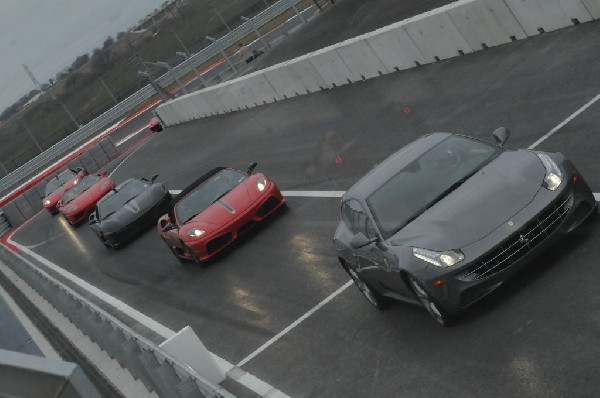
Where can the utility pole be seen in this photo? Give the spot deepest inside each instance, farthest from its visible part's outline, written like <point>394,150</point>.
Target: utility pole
<point>221,17</point>
<point>32,77</point>
<point>66,110</point>
<point>32,137</point>
<point>181,43</point>
<point>108,89</point>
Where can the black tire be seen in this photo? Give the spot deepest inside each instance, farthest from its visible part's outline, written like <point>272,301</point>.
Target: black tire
<point>439,315</point>
<point>181,260</point>
<point>104,241</point>
<point>373,297</point>
<point>194,258</point>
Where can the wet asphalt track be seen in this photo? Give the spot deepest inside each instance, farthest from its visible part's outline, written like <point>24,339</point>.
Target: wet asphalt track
<point>538,335</point>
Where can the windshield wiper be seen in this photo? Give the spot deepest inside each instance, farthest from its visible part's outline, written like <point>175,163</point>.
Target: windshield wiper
<point>221,195</point>
<point>108,215</point>
<point>189,218</point>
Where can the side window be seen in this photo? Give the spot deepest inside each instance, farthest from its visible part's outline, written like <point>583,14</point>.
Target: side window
<point>356,219</point>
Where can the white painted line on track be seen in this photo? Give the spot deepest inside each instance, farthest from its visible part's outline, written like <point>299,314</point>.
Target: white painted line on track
<point>305,194</point>
<point>597,196</point>
<point>246,379</point>
<point>314,194</point>
<point>123,161</point>
<point>107,298</point>
<point>294,324</point>
<point>130,136</point>
<point>565,122</point>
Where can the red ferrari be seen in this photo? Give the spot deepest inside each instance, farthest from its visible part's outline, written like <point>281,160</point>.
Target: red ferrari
<point>58,185</point>
<point>211,213</point>
<point>80,200</point>
<point>155,125</point>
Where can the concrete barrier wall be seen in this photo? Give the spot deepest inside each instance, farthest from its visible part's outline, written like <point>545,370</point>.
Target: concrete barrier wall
<point>456,29</point>
<point>29,203</point>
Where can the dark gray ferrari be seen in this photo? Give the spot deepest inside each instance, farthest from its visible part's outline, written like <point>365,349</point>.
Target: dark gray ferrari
<point>448,218</point>
<point>128,210</point>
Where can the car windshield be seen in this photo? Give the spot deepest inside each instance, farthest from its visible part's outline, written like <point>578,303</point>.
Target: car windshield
<point>427,180</point>
<point>117,200</point>
<point>58,181</point>
<point>78,189</point>
<point>207,193</point>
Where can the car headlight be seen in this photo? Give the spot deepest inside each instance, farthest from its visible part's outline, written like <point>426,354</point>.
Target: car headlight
<point>446,258</point>
<point>261,184</point>
<point>70,208</point>
<point>46,202</point>
<point>195,233</point>
<point>554,175</point>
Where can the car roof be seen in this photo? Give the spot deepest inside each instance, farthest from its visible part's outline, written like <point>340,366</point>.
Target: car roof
<point>385,170</point>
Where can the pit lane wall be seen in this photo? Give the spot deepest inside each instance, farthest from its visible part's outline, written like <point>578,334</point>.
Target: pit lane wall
<point>459,28</point>
<point>29,203</point>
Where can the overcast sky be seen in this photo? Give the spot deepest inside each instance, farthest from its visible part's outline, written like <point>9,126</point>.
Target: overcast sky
<point>48,35</point>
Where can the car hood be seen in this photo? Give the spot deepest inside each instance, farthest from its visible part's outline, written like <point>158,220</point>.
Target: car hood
<point>229,207</point>
<point>132,210</point>
<point>55,196</point>
<point>93,194</point>
<point>484,202</point>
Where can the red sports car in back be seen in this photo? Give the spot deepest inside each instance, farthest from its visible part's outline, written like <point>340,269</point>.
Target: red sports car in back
<point>211,213</point>
<point>58,185</point>
<point>80,200</point>
<point>155,125</point>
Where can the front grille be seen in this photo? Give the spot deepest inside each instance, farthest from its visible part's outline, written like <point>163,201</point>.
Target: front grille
<point>520,243</point>
<point>218,242</point>
<point>269,205</point>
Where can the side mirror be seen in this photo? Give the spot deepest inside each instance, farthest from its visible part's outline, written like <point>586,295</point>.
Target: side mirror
<point>103,174</point>
<point>154,177</point>
<point>501,135</point>
<point>59,203</point>
<point>251,167</point>
<point>168,227</point>
<point>360,240</point>
<point>92,219</point>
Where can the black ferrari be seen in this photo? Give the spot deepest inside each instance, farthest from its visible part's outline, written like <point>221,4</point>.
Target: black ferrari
<point>448,218</point>
<point>128,210</point>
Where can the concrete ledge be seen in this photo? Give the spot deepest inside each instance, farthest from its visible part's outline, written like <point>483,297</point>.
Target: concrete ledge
<point>456,29</point>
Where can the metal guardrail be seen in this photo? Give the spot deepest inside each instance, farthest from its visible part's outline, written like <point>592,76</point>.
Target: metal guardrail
<point>26,205</point>
<point>130,103</point>
<point>157,370</point>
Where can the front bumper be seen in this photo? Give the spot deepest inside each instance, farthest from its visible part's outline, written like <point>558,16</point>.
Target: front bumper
<point>209,245</point>
<point>492,260</point>
<point>140,224</point>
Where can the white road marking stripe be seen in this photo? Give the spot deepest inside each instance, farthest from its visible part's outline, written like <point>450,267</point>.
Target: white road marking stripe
<point>597,196</point>
<point>245,378</point>
<point>107,298</point>
<point>314,194</point>
<point>130,136</point>
<point>306,194</point>
<point>293,325</point>
<point>123,161</point>
<point>565,122</point>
